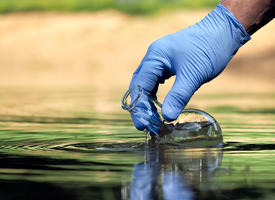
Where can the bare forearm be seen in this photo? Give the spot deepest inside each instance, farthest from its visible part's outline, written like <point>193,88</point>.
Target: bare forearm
<point>252,14</point>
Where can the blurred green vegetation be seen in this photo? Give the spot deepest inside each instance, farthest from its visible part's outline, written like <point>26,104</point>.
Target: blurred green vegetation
<point>127,6</point>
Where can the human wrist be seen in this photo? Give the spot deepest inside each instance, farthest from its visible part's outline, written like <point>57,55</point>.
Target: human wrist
<point>252,14</point>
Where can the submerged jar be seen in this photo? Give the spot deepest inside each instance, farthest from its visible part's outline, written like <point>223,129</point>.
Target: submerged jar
<point>191,125</point>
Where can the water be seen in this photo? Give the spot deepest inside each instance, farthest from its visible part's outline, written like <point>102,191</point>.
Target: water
<point>79,144</point>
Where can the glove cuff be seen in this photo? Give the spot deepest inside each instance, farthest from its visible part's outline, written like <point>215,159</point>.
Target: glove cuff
<point>240,33</point>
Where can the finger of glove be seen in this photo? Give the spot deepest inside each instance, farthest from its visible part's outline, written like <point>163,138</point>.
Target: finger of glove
<point>145,114</point>
<point>153,69</point>
<point>147,76</point>
<point>177,98</point>
<point>144,119</point>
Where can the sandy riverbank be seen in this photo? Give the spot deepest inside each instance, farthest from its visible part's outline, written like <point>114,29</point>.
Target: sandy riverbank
<point>103,49</point>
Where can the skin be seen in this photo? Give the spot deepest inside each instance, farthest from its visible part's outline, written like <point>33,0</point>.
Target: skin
<point>252,14</point>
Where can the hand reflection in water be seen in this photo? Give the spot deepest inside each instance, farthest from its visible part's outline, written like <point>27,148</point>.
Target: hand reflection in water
<point>173,174</point>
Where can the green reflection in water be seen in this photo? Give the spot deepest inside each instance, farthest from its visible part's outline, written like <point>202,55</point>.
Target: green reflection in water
<point>85,154</point>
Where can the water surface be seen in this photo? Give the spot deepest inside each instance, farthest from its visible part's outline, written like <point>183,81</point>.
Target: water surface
<point>79,144</point>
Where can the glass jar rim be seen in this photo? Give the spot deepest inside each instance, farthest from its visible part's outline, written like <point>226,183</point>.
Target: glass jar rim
<point>133,103</point>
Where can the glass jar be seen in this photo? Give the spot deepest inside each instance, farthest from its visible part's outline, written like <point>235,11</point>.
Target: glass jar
<point>191,125</point>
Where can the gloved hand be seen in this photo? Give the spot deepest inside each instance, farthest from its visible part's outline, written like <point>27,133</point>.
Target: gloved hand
<point>195,55</point>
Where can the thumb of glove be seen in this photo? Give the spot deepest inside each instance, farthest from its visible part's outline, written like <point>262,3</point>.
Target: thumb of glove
<point>177,98</point>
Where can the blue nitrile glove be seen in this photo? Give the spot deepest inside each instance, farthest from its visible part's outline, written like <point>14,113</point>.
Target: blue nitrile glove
<point>196,55</point>
<point>143,110</point>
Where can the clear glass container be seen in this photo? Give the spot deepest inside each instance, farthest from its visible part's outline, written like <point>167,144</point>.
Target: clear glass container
<point>191,125</point>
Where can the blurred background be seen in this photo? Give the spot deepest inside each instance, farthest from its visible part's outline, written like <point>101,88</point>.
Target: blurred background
<point>64,67</point>
<point>53,52</point>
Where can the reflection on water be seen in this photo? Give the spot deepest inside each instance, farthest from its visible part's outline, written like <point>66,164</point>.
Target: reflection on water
<point>173,174</point>
<point>74,151</point>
